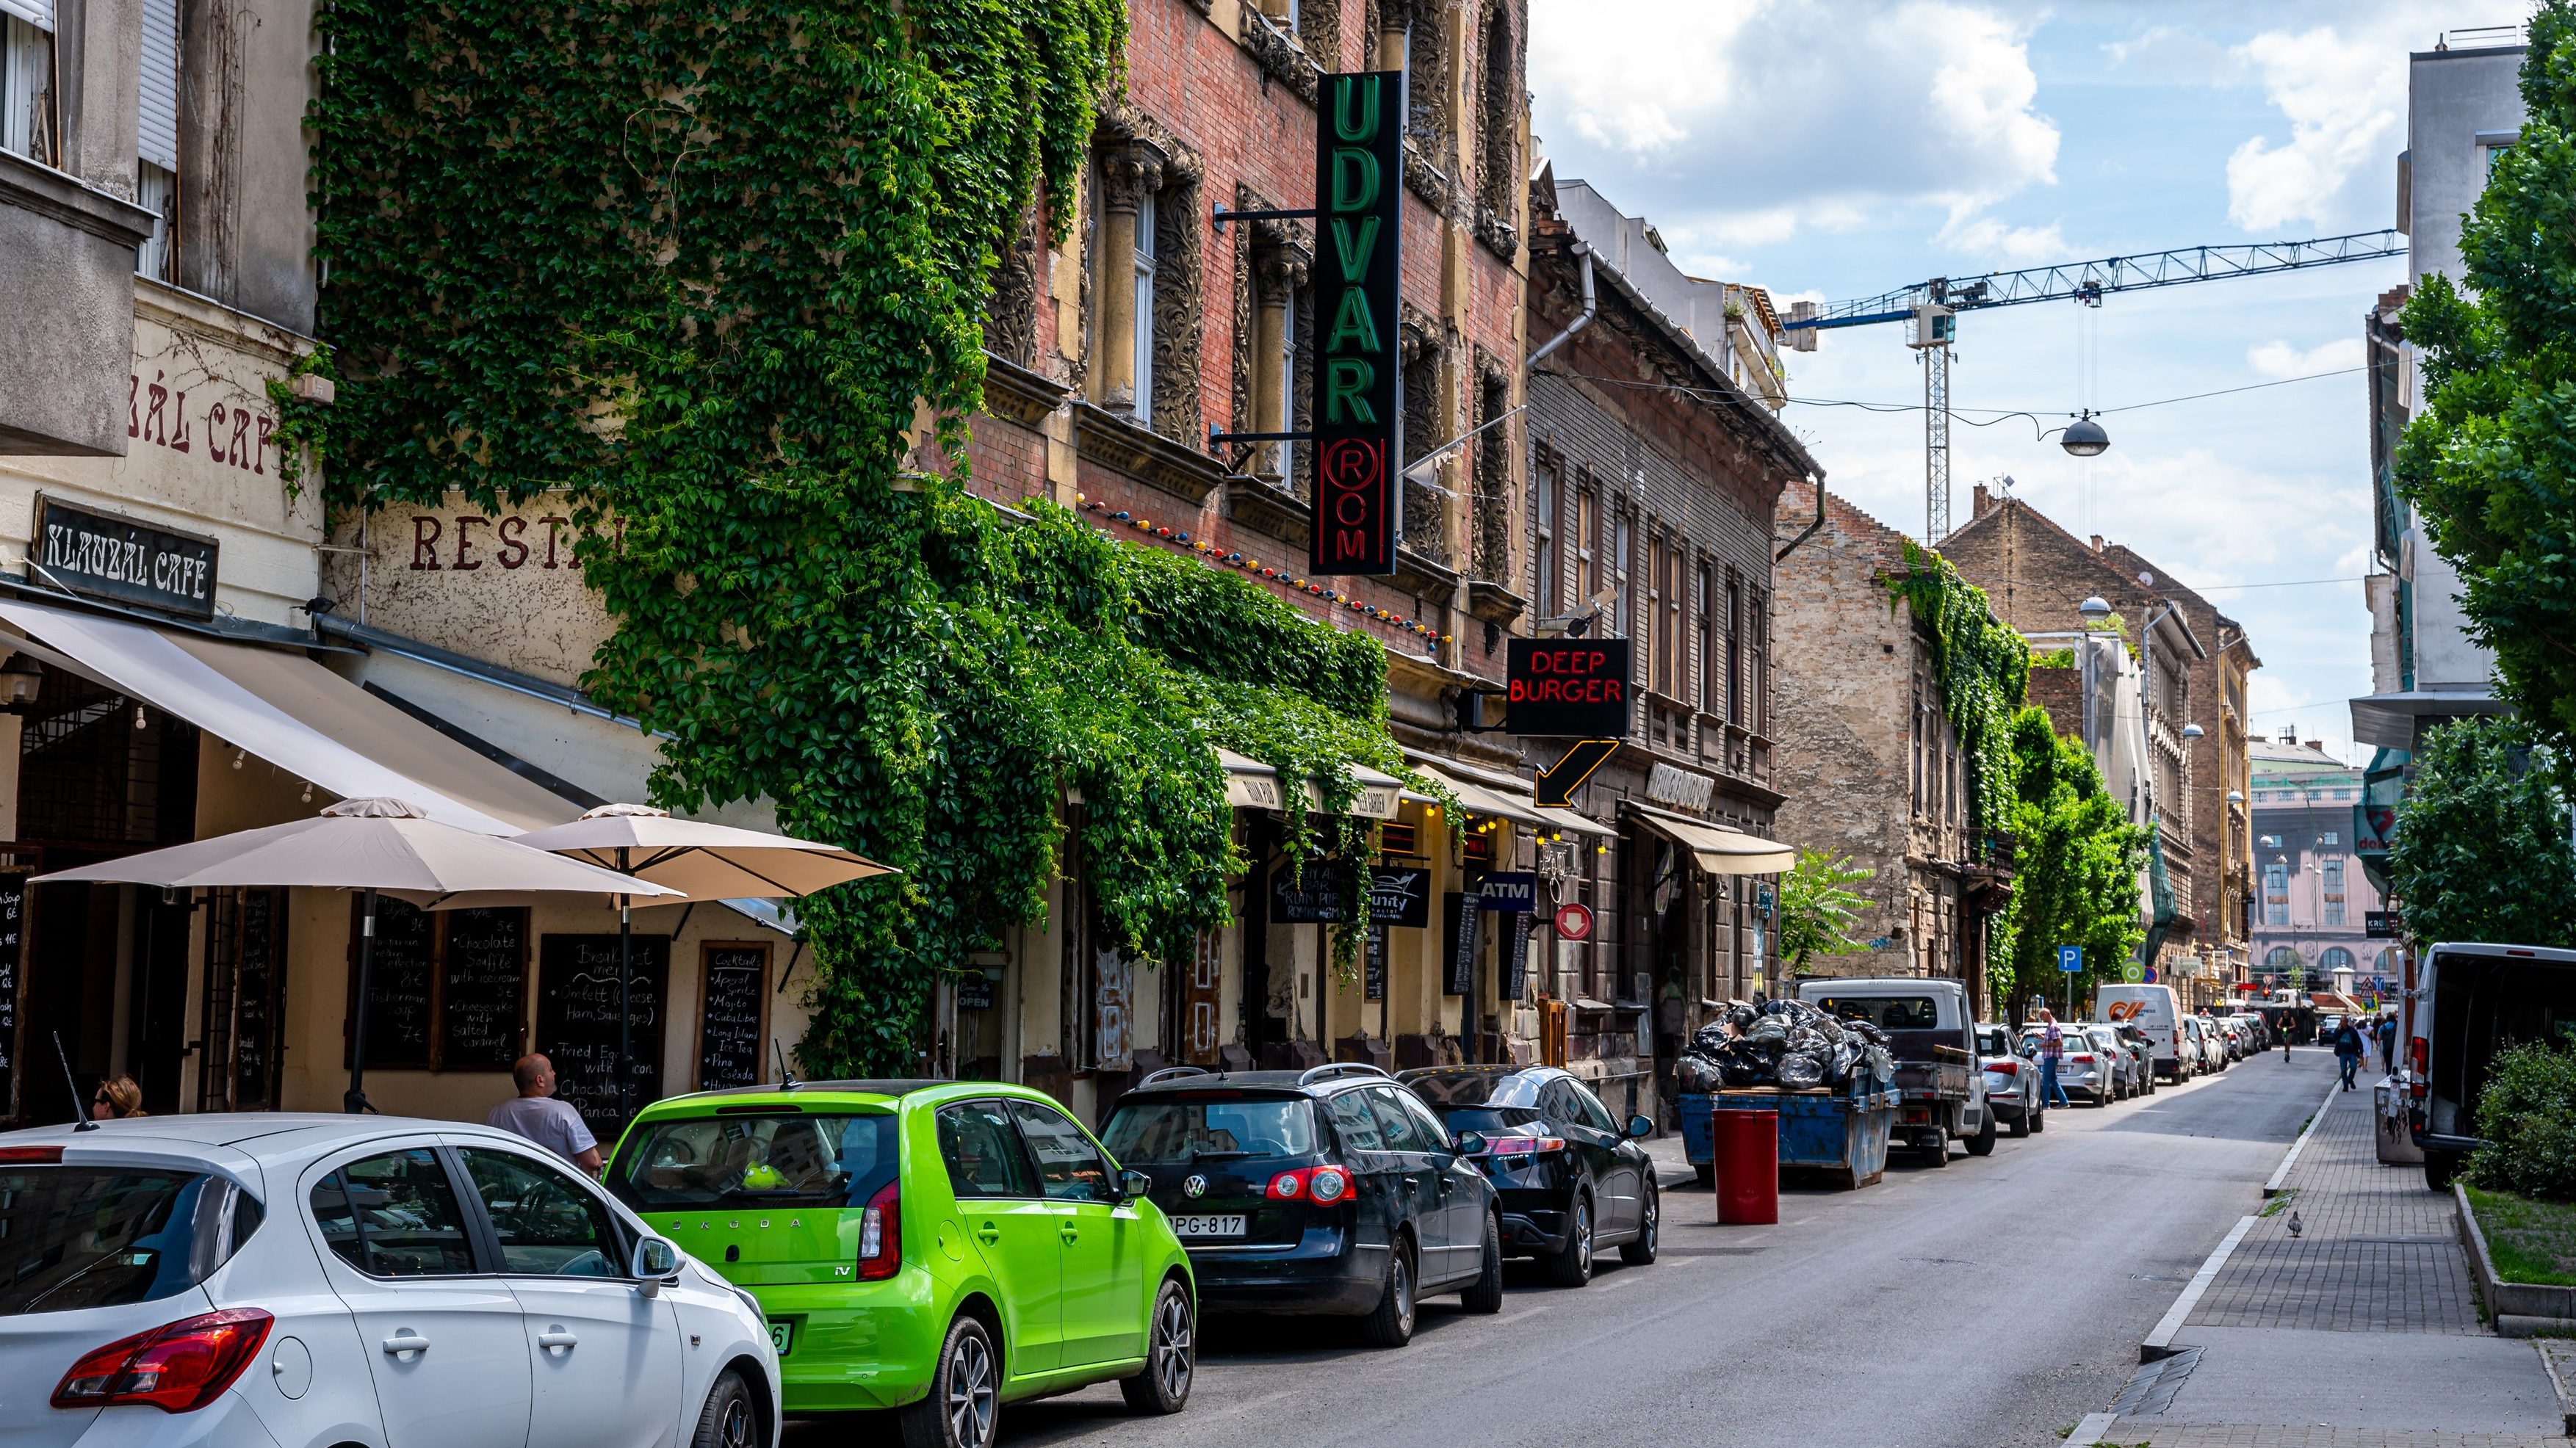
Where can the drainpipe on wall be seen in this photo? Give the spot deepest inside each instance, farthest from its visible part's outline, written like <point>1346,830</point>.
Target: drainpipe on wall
<point>1583,253</point>
<point>1811,528</point>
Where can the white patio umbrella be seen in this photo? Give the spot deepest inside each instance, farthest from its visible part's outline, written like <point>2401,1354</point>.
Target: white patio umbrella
<point>375,846</point>
<point>704,861</point>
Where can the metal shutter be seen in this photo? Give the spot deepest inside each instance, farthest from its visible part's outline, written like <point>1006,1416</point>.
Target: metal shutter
<point>38,13</point>
<point>157,140</point>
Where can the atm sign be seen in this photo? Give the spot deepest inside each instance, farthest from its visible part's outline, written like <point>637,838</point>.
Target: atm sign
<point>1576,688</point>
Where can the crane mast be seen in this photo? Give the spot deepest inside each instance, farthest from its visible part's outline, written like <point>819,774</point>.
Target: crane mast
<point>1931,309</point>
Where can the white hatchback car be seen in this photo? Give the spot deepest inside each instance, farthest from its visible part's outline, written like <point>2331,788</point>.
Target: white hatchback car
<point>283,1281</point>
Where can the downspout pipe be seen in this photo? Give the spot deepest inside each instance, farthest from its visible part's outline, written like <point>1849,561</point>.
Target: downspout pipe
<point>1811,528</point>
<point>1583,253</point>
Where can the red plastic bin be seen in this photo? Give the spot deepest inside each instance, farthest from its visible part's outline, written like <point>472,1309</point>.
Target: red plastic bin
<point>1746,1146</point>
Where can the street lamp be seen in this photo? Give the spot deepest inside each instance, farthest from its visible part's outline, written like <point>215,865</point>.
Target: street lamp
<point>2191,731</point>
<point>2084,437</point>
<point>2094,609</point>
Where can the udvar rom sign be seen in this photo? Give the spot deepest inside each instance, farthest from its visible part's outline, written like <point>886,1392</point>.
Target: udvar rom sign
<point>1359,396</point>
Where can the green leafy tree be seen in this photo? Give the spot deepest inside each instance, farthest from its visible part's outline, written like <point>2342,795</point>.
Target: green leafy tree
<point>2076,864</point>
<point>2490,465</point>
<point>2482,850</point>
<point>1816,912</point>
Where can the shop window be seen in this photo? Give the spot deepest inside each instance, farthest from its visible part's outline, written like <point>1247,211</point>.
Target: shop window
<point>97,768</point>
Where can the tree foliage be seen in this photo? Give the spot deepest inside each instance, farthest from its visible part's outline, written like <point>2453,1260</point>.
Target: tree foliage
<point>2482,848</point>
<point>1983,669</point>
<point>2490,465</point>
<point>2076,864</point>
<point>1816,912</point>
<point>699,269</point>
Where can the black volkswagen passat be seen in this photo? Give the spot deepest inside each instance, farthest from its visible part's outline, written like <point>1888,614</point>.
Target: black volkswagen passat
<point>1569,1179</point>
<point>1328,1191</point>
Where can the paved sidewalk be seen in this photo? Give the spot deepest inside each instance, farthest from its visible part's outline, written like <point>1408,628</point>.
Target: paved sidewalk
<point>2359,1331</point>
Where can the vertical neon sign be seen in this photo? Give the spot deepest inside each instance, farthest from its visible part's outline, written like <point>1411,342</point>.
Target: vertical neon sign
<point>1359,394</point>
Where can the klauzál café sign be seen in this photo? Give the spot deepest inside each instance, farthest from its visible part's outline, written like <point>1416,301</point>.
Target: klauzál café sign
<point>122,559</point>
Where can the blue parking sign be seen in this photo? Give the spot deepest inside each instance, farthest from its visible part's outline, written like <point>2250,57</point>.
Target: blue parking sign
<point>2070,958</point>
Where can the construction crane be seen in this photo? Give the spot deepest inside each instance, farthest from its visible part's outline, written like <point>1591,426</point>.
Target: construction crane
<point>1931,308</point>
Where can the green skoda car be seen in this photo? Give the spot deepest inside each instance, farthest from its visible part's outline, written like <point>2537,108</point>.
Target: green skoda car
<point>936,1247</point>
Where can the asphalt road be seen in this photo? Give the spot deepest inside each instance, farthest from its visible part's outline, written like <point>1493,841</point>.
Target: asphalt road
<point>1987,1304</point>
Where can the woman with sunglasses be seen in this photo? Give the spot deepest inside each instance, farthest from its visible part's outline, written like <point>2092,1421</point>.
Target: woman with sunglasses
<point>116,1098</point>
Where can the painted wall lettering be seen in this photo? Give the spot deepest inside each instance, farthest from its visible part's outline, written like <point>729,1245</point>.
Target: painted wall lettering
<point>507,542</point>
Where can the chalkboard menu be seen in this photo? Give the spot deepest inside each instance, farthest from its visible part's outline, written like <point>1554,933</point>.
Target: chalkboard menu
<point>1515,968</point>
<point>733,1014</point>
<point>483,982</point>
<point>1461,911</point>
<point>446,990</point>
<point>577,998</point>
<point>13,927</point>
<point>259,960</point>
<point>1375,970</point>
<point>402,981</point>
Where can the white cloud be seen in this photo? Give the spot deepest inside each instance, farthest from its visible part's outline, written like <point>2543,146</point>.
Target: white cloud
<point>1987,239</point>
<point>2344,94</point>
<point>2281,360</point>
<point>1750,120</point>
<point>2171,55</point>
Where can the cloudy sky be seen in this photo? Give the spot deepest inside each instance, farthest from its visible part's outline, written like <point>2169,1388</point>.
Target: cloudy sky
<point>1842,148</point>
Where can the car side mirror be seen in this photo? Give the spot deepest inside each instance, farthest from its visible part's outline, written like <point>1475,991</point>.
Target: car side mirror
<point>1640,1127</point>
<point>1472,1143</point>
<point>1133,1185</point>
<point>654,1261</point>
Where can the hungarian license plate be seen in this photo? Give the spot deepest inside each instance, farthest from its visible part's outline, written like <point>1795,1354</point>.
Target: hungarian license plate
<point>781,1336</point>
<point>1227,1225</point>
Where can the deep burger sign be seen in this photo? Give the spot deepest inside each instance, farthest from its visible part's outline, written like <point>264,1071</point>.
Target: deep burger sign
<point>1359,402</point>
<point>1577,688</point>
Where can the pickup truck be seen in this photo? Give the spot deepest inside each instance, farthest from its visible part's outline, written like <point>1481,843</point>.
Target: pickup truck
<point>2471,1001</point>
<point>1934,1042</point>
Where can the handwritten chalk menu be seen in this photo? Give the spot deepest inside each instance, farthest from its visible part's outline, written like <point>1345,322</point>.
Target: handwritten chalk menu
<point>577,998</point>
<point>483,980</point>
<point>402,982</point>
<point>259,960</point>
<point>733,1014</point>
<point>13,926</point>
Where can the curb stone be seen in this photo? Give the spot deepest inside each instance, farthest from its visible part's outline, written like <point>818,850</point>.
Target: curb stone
<point>2272,1185</point>
<point>2159,1343</point>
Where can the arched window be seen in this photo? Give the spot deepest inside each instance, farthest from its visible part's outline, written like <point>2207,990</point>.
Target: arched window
<point>2282,960</point>
<point>2389,964</point>
<point>2335,958</point>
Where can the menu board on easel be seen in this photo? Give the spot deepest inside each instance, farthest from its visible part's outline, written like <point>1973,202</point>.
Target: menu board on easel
<point>733,1013</point>
<point>402,983</point>
<point>577,1022</point>
<point>13,931</point>
<point>483,984</point>
<point>446,990</point>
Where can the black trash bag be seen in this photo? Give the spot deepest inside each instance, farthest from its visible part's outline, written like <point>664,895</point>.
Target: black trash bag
<point>1707,1041</point>
<point>1831,1029</point>
<point>1868,1033</point>
<point>1742,1015</point>
<point>1695,1075</point>
<point>1744,1070</point>
<point>1801,1068</point>
<point>1768,1028</point>
<point>1839,1064</point>
<point>1810,1040</point>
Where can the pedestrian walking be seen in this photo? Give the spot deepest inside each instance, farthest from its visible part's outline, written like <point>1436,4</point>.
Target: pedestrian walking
<point>2285,1035</point>
<point>2347,1049</point>
<point>2052,1044</point>
<point>116,1099</point>
<point>2388,1042</point>
<point>535,1114</point>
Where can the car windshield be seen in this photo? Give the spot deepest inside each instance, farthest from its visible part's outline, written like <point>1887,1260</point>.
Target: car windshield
<point>105,1236</point>
<point>1173,1129</point>
<point>1888,1013</point>
<point>781,1160</point>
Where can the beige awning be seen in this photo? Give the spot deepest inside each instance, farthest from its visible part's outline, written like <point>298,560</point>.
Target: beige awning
<point>280,706</point>
<point>1487,795</point>
<point>1251,784</point>
<point>1720,850</point>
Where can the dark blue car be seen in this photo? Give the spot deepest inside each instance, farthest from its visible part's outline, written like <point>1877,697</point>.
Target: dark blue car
<point>1569,1178</point>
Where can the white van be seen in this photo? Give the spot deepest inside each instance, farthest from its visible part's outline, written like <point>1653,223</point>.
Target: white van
<point>2154,1010</point>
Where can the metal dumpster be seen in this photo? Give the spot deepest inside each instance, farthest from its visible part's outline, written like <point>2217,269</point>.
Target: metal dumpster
<point>1841,1137</point>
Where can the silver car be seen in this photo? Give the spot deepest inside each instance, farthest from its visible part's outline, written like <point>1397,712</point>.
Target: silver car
<point>2012,1080</point>
<point>2084,1067</point>
<point>2123,1061</point>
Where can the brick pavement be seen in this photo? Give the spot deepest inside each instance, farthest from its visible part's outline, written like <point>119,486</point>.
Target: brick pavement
<point>2376,1251</point>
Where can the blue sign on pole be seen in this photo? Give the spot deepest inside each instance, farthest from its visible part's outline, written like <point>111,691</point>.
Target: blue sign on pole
<point>2070,958</point>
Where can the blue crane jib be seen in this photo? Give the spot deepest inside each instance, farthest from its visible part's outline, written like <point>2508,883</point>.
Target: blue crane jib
<point>2090,281</point>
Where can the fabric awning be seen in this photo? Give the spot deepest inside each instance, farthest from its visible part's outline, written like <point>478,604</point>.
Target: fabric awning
<point>1251,784</point>
<point>1488,795</point>
<point>1719,849</point>
<point>284,708</point>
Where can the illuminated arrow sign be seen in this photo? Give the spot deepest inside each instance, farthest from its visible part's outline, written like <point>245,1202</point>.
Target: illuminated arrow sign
<point>1558,782</point>
<point>1359,396</point>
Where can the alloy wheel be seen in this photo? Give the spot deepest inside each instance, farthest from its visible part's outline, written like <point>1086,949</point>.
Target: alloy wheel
<point>736,1432</point>
<point>1174,1349</point>
<point>1583,1234</point>
<point>971,1393</point>
<point>1402,1282</point>
<point>1653,1232</point>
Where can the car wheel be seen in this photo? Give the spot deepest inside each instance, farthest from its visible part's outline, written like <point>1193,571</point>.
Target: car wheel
<point>1936,1149</point>
<point>1485,1294</point>
<point>1390,1324</point>
<point>1641,1249</point>
<point>1983,1143</point>
<point>1171,1356</point>
<point>2039,1121</point>
<point>2439,1168</point>
<point>964,1405</point>
<point>1572,1264</point>
<point>727,1421</point>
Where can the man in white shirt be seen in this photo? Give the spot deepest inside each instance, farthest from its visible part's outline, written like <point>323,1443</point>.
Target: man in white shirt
<point>535,1114</point>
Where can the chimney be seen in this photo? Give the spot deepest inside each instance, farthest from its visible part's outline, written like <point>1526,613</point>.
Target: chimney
<point>1985,500</point>
<point>2318,745</point>
<point>2097,542</point>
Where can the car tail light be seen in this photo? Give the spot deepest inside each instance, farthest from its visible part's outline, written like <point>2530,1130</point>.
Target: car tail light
<point>2004,1068</point>
<point>881,1235</point>
<point>1289,1186</point>
<point>1523,1145</point>
<point>178,1368</point>
<point>1328,1185</point>
<point>2418,1055</point>
<point>30,1155</point>
<point>2082,1059</point>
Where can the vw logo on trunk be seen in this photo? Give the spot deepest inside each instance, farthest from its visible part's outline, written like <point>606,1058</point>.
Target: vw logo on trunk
<point>1194,1186</point>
